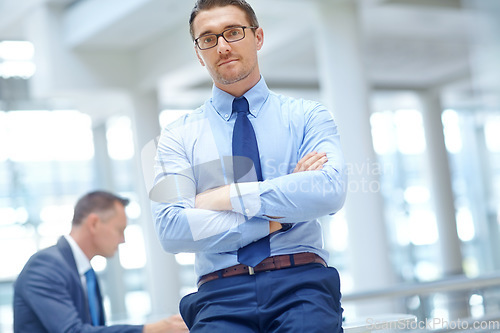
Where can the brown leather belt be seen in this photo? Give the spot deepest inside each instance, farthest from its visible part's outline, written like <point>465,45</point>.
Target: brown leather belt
<point>268,264</point>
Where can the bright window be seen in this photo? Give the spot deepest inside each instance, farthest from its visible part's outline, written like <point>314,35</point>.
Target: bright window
<point>48,136</point>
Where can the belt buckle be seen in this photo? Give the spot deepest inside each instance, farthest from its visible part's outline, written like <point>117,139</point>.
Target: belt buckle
<point>251,270</point>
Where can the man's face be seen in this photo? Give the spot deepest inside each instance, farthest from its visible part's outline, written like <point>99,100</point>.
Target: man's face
<point>110,230</point>
<point>228,63</point>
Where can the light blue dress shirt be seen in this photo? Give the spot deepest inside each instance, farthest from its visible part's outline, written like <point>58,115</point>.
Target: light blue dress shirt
<point>194,155</point>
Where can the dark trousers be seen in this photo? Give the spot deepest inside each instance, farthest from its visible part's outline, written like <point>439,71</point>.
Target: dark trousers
<point>299,299</point>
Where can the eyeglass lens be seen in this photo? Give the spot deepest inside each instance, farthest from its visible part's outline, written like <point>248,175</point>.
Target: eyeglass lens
<point>230,35</point>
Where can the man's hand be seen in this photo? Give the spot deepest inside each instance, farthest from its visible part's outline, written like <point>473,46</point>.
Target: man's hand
<point>173,324</point>
<point>274,226</point>
<point>312,161</point>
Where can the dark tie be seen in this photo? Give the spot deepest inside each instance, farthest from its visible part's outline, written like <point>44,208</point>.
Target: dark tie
<point>92,296</point>
<point>246,155</point>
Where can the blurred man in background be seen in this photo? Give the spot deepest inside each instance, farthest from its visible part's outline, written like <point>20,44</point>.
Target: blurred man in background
<point>57,291</point>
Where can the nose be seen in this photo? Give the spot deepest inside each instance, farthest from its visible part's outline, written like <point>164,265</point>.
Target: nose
<point>222,45</point>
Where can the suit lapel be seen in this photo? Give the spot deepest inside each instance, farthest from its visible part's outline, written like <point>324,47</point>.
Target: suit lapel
<point>65,249</point>
<point>67,253</point>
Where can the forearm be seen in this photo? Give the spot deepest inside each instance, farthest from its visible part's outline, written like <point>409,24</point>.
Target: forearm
<point>215,199</point>
<point>291,198</point>
<point>302,196</point>
<point>305,196</point>
<point>227,198</point>
<point>182,229</point>
<point>297,197</point>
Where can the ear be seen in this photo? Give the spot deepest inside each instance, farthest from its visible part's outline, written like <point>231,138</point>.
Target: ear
<point>259,38</point>
<point>91,222</point>
<point>198,55</point>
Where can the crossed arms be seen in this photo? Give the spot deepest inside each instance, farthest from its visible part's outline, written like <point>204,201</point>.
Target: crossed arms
<point>214,221</point>
<point>219,199</point>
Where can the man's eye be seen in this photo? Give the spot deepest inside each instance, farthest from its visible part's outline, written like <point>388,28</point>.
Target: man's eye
<point>208,40</point>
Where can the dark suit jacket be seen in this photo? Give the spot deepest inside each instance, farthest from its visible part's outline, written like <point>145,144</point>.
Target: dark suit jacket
<point>49,297</point>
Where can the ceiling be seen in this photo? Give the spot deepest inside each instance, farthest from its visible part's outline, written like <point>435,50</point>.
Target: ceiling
<point>407,44</point>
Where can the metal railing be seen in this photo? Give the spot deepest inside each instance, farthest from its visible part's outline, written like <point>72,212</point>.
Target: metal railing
<point>460,283</point>
<point>486,285</point>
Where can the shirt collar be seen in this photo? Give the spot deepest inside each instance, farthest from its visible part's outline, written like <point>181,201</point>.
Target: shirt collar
<point>222,102</point>
<point>82,262</point>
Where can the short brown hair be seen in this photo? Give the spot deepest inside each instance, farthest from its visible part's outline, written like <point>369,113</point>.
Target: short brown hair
<point>209,4</point>
<point>96,202</point>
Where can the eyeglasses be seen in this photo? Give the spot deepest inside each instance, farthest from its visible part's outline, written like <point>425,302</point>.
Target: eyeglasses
<point>230,35</point>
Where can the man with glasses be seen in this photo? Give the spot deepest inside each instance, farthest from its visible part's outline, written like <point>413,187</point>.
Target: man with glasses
<point>241,182</point>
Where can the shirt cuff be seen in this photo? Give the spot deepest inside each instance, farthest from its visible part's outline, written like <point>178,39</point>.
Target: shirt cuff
<point>245,198</point>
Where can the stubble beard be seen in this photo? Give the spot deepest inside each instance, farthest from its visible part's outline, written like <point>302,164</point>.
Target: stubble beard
<point>226,79</point>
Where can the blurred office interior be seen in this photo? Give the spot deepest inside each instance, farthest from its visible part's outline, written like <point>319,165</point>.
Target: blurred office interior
<point>414,86</point>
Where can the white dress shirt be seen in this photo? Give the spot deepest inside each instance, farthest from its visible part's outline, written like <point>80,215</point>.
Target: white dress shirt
<point>82,262</point>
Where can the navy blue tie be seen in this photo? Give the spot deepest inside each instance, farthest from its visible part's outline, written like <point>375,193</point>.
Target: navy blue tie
<point>92,296</point>
<point>245,157</point>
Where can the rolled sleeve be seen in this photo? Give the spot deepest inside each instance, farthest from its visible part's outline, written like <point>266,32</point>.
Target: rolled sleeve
<point>245,198</point>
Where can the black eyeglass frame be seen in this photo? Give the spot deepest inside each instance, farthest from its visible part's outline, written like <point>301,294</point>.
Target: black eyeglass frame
<point>217,36</point>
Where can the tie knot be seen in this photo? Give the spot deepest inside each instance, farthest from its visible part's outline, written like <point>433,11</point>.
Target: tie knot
<point>240,105</point>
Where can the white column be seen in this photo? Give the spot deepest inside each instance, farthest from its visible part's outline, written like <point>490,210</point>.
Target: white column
<point>443,198</point>
<point>344,90</point>
<point>163,271</point>
<point>103,171</point>
<point>440,179</point>
<point>115,287</point>
<point>483,28</point>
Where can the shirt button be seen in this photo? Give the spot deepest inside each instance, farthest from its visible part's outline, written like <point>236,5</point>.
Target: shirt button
<point>226,116</point>
<point>247,210</point>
